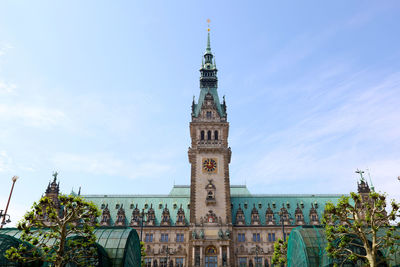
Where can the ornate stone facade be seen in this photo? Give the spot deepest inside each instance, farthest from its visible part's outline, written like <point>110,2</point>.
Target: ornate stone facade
<point>210,222</point>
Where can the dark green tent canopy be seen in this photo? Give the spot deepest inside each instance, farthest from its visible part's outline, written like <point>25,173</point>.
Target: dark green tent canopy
<point>115,246</point>
<point>306,247</point>
<point>7,242</point>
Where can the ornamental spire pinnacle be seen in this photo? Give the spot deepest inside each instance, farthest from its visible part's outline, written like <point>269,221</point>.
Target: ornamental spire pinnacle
<point>208,49</point>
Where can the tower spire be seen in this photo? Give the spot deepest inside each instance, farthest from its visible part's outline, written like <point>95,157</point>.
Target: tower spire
<point>208,49</point>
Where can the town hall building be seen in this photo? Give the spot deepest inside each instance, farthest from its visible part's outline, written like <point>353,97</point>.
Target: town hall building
<point>209,222</point>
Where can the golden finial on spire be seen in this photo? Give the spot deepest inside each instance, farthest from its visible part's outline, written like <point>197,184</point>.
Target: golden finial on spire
<point>208,22</point>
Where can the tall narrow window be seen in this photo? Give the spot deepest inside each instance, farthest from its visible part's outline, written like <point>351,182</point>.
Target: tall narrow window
<point>216,135</point>
<point>208,114</point>
<point>209,135</point>
<point>202,135</point>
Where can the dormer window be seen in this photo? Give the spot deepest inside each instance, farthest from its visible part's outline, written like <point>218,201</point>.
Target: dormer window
<point>165,216</point>
<point>299,216</point>
<point>240,216</point>
<point>208,114</point>
<point>180,219</point>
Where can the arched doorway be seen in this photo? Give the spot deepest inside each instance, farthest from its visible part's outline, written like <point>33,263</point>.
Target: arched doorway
<point>211,257</point>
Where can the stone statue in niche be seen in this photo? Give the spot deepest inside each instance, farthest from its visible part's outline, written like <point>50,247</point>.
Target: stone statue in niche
<point>202,234</point>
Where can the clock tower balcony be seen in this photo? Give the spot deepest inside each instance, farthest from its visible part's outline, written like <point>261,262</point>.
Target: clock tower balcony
<point>211,143</point>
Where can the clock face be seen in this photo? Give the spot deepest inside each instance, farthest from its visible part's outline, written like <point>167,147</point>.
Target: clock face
<point>209,165</point>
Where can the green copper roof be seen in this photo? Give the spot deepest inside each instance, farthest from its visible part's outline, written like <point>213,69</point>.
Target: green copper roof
<point>129,202</point>
<point>239,190</point>
<point>290,202</point>
<point>208,83</point>
<point>180,190</point>
<point>214,93</point>
<point>180,195</point>
<point>208,49</point>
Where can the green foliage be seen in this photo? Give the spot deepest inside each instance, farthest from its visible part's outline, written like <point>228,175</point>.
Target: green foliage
<point>50,226</point>
<point>142,253</point>
<point>280,252</point>
<point>359,226</point>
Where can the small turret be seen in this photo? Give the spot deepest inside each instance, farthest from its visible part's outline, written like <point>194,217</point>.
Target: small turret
<point>363,187</point>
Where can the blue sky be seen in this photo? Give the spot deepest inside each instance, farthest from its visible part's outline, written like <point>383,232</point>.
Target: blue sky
<point>100,91</point>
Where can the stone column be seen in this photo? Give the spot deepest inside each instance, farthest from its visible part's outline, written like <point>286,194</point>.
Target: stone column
<point>193,255</point>
<point>228,260</point>
<point>201,256</point>
<point>220,256</point>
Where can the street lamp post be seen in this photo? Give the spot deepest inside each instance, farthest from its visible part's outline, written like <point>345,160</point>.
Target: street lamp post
<point>167,256</point>
<point>14,179</point>
<point>257,251</point>
<point>282,221</point>
<point>141,225</point>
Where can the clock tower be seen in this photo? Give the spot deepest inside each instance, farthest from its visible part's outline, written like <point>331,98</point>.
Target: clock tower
<point>209,156</point>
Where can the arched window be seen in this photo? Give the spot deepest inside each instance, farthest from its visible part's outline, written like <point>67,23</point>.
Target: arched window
<point>202,135</point>
<point>216,135</point>
<point>209,135</point>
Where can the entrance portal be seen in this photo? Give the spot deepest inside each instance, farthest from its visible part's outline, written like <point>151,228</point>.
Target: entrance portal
<point>211,261</point>
<point>211,257</point>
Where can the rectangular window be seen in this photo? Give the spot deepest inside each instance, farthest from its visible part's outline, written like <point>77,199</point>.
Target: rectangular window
<point>164,238</point>
<point>208,114</point>
<point>147,262</point>
<point>241,238</point>
<point>258,262</point>
<point>179,262</point>
<point>197,256</point>
<point>286,236</point>
<point>256,237</point>
<point>271,237</point>
<point>148,238</point>
<point>179,237</point>
<point>163,262</point>
<point>242,262</point>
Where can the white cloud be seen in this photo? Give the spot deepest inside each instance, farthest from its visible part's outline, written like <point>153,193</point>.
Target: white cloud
<point>4,47</point>
<point>32,115</point>
<point>333,139</point>
<point>6,162</point>
<point>105,164</point>
<point>7,88</point>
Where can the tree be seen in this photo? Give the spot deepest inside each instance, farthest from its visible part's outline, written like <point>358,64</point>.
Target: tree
<point>142,253</point>
<point>60,230</point>
<point>280,252</point>
<point>360,228</point>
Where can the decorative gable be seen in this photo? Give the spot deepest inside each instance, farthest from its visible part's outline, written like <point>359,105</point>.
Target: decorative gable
<point>135,220</point>
<point>299,216</point>
<point>180,217</point>
<point>120,217</point>
<point>166,218</point>
<point>255,218</point>
<point>240,217</point>
<point>313,216</point>
<point>105,217</point>
<point>151,217</point>
<point>269,216</point>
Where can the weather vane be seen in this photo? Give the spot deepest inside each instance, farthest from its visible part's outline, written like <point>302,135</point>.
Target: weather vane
<point>360,173</point>
<point>208,22</point>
